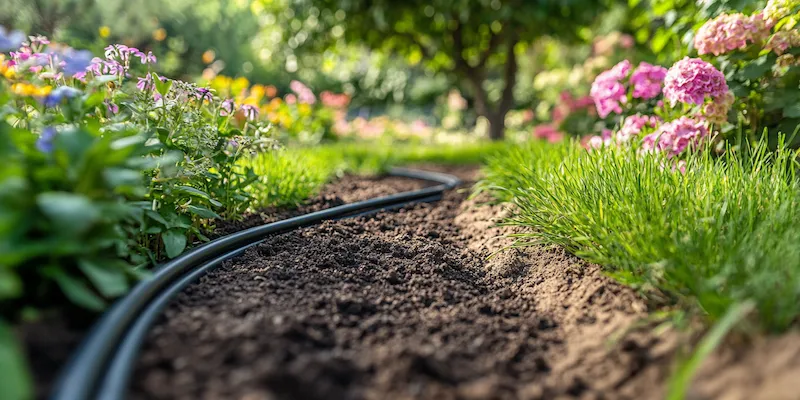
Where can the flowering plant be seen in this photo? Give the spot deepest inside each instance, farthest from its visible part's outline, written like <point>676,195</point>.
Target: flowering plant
<point>759,55</point>
<point>108,168</point>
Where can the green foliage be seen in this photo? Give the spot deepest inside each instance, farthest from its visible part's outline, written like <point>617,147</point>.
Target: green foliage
<point>723,233</point>
<point>467,41</point>
<point>191,28</point>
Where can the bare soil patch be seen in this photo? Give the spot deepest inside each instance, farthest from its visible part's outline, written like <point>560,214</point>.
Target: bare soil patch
<point>403,305</point>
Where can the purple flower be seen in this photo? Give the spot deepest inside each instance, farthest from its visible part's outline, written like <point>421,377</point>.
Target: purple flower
<point>145,83</point>
<point>250,112</point>
<point>39,40</point>
<point>227,107</point>
<point>46,138</point>
<point>10,40</point>
<point>647,80</point>
<point>60,93</point>
<point>106,67</point>
<point>111,107</point>
<point>203,94</point>
<point>76,61</point>
<point>690,80</point>
<point>146,58</point>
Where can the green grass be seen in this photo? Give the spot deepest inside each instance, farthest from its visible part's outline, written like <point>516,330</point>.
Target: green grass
<point>723,234</point>
<point>291,175</point>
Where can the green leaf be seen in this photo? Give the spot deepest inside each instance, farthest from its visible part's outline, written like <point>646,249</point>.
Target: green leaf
<point>93,100</point>
<point>199,193</point>
<point>10,284</point>
<point>757,68</point>
<point>108,277</point>
<point>75,289</point>
<point>70,213</point>
<point>679,382</point>
<point>123,177</point>
<point>792,111</point>
<point>156,217</point>
<point>17,383</point>
<point>202,212</point>
<point>161,87</point>
<point>174,242</point>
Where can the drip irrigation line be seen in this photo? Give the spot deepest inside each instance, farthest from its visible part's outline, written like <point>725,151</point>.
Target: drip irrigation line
<point>101,367</point>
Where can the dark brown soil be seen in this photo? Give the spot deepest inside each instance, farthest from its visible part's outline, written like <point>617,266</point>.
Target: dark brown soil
<point>403,305</point>
<point>50,340</point>
<point>348,189</point>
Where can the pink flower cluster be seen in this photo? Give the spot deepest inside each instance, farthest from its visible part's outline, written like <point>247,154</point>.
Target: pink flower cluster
<point>716,111</point>
<point>608,90</point>
<point>548,132</point>
<point>647,80</point>
<point>783,40</point>
<point>598,141</point>
<point>333,100</point>
<point>690,80</point>
<point>304,94</point>
<point>676,136</point>
<point>633,126</point>
<point>729,32</point>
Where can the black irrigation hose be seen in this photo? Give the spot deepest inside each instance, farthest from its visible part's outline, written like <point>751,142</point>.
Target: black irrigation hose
<point>101,367</point>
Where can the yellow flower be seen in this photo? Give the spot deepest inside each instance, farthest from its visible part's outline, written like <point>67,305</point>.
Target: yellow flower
<point>159,34</point>
<point>26,89</point>
<point>43,91</point>
<point>104,31</point>
<point>239,84</point>
<point>6,70</point>
<point>304,109</point>
<point>258,91</point>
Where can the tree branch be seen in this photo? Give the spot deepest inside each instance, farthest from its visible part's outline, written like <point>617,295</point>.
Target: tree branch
<point>494,41</point>
<point>458,50</point>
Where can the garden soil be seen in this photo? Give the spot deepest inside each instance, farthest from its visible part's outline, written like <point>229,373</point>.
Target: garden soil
<point>50,340</point>
<point>429,302</point>
<point>404,305</point>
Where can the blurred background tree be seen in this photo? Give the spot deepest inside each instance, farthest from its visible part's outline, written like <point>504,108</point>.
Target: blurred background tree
<point>396,58</point>
<point>473,43</point>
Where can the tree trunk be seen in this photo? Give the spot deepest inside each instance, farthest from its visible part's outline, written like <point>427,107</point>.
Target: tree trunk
<point>497,126</point>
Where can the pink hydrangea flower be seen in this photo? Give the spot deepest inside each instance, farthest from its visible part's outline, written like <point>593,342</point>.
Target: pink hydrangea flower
<point>598,141</point>
<point>716,111</point>
<point>783,40</point>
<point>633,126</point>
<point>730,32</point>
<point>690,80</point>
<point>608,91</point>
<point>647,80</point>
<point>676,136</point>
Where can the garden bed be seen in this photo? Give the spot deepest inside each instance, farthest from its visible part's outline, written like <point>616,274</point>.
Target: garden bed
<point>403,305</point>
<point>50,340</point>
